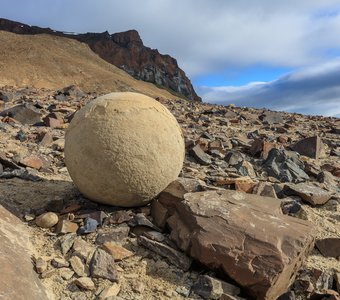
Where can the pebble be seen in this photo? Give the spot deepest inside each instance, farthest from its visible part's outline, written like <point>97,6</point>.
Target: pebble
<point>47,220</point>
<point>85,283</point>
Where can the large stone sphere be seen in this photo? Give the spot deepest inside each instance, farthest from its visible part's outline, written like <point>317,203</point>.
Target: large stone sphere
<point>123,149</point>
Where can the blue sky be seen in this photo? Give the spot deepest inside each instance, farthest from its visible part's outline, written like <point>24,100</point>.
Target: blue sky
<point>283,55</point>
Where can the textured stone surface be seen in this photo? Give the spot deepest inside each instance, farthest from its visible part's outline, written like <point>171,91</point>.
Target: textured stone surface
<point>103,266</point>
<point>175,257</point>
<point>123,149</point>
<point>162,207</point>
<point>285,166</point>
<point>211,288</point>
<point>17,278</point>
<point>200,156</point>
<point>309,193</point>
<point>258,248</point>
<point>311,147</point>
<point>24,113</point>
<point>329,247</point>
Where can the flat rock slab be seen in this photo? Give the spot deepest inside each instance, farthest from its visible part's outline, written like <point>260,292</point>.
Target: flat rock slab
<point>329,247</point>
<point>308,193</point>
<point>18,280</point>
<point>311,147</point>
<point>244,236</point>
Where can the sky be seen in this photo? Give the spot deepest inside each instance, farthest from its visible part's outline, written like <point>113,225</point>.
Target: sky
<point>282,55</point>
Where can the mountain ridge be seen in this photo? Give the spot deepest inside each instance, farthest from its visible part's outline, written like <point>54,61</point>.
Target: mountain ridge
<point>126,51</point>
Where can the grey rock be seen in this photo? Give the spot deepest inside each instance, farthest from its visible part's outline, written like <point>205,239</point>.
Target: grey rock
<point>89,226</point>
<point>308,193</point>
<point>211,288</point>
<point>24,113</point>
<point>270,117</point>
<point>175,257</point>
<point>311,147</point>
<point>103,266</point>
<point>66,242</point>
<point>112,234</point>
<point>200,156</point>
<point>285,166</point>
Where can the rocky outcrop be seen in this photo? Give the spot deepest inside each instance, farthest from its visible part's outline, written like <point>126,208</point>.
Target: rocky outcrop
<point>17,279</point>
<point>242,235</point>
<point>126,51</point>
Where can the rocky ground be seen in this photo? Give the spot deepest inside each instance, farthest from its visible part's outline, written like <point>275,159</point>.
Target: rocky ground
<point>82,250</point>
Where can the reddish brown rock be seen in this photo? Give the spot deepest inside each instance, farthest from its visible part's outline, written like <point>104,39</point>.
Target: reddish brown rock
<point>17,278</point>
<point>311,147</point>
<point>329,247</point>
<point>66,226</point>
<point>244,236</point>
<point>52,122</point>
<point>162,207</point>
<point>265,189</point>
<point>246,187</point>
<point>261,147</point>
<point>118,252</point>
<point>32,161</point>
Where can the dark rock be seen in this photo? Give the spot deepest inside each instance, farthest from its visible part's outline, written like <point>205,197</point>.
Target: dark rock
<point>285,166</point>
<point>265,189</point>
<point>311,147</point>
<point>211,288</point>
<point>234,158</point>
<point>141,220</point>
<point>242,236</point>
<point>24,113</point>
<point>200,156</point>
<point>103,266</point>
<point>175,257</point>
<point>7,162</point>
<point>329,247</point>
<point>22,174</point>
<point>325,295</point>
<point>120,216</point>
<point>308,192</point>
<point>261,148</point>
<point>89,226</point>
<point>287,296</point>
<point>290,206</point>
<point>114,234</point>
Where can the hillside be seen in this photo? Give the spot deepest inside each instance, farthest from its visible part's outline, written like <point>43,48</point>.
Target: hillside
<point>126,51</point>
<point>55,62</point>
<point>243,215</point>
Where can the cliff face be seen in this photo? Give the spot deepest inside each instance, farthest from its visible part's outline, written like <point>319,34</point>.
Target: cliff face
<point>126,51</point>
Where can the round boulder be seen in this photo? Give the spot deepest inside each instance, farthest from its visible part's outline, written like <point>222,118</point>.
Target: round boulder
<point>123,149</point>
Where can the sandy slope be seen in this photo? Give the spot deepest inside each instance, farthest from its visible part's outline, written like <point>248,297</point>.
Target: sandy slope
<point>55,62</point>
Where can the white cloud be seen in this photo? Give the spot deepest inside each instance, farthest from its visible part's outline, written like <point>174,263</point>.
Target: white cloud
<point>314,90</point>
